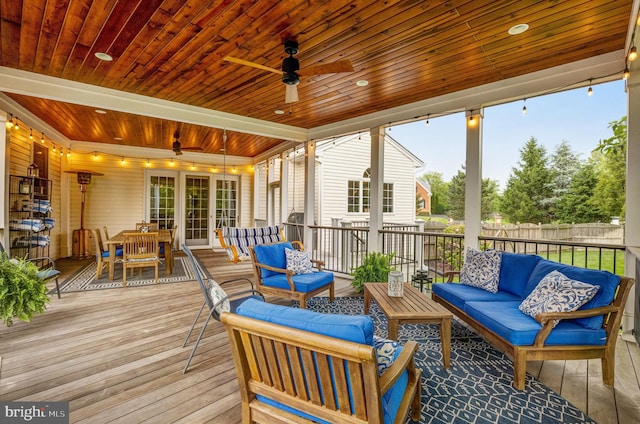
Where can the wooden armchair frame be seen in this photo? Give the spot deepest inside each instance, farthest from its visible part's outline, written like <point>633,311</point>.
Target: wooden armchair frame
<point>139,250</point>
<point>285,364</point>
<point>290,293</point>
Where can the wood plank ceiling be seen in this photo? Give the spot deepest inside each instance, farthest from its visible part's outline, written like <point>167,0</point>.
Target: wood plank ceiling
<point>408,50</point>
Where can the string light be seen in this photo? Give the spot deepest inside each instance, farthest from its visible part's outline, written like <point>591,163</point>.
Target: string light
<point>42,138</point>
<point>148,163</point>
<point>626,74</point>
<point>95,155</point>
<point>16,125</point>
<point>122,162</point>
<point>10,122</point>
<point>171,163</point>
<point>30,133</point>
<point>69,153</point>
<point>427,122</point>
<point>54,148</point>
<point>590,90</point>
<point>193,166</point>
<point>524,108</point>
<point>633,54</point>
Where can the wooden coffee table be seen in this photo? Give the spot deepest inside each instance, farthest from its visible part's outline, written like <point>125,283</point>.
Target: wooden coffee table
<point>412,308</point>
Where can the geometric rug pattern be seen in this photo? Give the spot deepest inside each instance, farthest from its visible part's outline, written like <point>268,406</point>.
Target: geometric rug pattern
<point>477,388</point>
<point>85,279</point>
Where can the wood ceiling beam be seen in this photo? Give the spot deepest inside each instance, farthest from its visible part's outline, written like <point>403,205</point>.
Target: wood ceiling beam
<point>31,84</point>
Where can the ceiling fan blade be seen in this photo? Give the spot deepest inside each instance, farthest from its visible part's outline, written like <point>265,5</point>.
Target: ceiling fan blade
<point>252,64</point>
<point>327,68</point>
<point>291,94</point>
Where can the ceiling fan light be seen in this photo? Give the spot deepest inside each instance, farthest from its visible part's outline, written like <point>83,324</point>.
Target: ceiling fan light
<point>291,94</point>
<point>290,78</point>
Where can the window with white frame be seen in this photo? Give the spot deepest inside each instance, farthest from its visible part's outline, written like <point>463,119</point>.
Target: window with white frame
<point>359,195</point>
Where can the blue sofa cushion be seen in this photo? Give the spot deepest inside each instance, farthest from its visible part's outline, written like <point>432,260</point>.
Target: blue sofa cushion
<point>506,320</point>
<point>354,328</point>
<point>607,281</point>
<point>458,294</point>
<point>515,270</point>
<point>481,269</point>
<point>304,283</point>
<point>272,255</point>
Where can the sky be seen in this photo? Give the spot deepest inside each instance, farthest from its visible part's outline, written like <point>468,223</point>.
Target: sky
<point>573,116</point>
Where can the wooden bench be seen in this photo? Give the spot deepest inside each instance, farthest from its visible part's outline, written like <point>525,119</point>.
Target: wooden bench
<point>236,240</point>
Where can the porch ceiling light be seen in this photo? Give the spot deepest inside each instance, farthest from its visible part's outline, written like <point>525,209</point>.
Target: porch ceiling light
<point>518,29</point>
<point>633,53</point>
<point>104,56</point>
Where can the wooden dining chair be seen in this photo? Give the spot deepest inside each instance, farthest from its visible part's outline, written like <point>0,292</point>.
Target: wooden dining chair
<point>169,247</point>
<point>102,254</point>
<point>139,250</point>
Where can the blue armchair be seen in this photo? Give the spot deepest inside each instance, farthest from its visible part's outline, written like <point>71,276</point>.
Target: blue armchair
<point>296,365</point>
<point>273,277</point>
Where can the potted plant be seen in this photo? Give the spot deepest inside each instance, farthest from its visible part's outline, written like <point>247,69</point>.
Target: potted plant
<point>22,292</point>
<point>375,268</point>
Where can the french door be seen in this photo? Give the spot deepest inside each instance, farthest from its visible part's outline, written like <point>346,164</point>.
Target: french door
<point>226,201</point>
<point>196,206</point>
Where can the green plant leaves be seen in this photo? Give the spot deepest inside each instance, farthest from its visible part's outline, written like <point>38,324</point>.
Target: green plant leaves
<point>22,293</point>
<point>375,268</point>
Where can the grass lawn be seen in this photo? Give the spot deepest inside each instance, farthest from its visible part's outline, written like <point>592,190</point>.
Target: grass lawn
<point>592,259</point>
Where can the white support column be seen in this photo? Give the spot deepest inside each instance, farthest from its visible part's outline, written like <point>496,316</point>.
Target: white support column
<point>375,189</point>
<point>473,180</point>
<point>4,171</point>
<point>632,205</point>
<point>284,187</point>
<point>309,193</point>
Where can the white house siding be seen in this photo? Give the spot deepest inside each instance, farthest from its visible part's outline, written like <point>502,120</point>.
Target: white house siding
<point>21,156</point>
<point>347,160</point>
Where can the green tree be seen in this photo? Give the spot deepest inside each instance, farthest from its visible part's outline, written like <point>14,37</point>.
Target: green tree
<point>528,186</point>
<point>578,205</point>
<point>489,196</point>
<point>439,190</point>
<point>564,165</point>
<point>612,170</point>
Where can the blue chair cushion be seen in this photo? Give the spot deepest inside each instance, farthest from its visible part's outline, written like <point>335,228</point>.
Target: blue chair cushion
<point>105,254</point>
<point>458,294</point>
<point>304,283</point>
<point>354,328</point>
<point>272,255</point>
<point>506,320</point>
<point>607,281</point>
<point>515,271</point>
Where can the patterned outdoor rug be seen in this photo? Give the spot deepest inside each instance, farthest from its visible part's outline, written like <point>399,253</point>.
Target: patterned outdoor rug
<point>85,279</point>
<point>477,387</point>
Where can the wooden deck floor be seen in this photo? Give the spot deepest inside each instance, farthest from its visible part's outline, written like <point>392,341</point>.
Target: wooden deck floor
<point>117,356</point>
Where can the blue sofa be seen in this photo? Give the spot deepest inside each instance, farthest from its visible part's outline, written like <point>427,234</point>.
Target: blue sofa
<point>589,332</point>
<point>294,363</point>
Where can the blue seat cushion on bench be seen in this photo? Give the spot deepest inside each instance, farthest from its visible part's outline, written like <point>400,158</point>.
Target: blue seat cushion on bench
<point>354,328</point>
<point>458,294</point>
<point>272,255</point>
<point>607,281</point>
<point>304,282</point>
<point>515,270</point>
<point>506,320</point>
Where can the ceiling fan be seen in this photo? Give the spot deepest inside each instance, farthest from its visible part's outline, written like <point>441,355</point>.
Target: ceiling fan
<point>291,71</point>
<point>177,148</point>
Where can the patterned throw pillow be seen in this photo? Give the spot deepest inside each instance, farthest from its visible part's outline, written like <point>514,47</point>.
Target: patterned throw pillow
<point>219,295</point>
<point>481,269</point>
<point>386,351</point>
<point>298,261</point>
<point>557,293</point>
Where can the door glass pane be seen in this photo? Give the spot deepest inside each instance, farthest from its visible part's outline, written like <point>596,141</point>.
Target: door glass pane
<point>197,210</point>
<point>162,201</point>
<point>226,203</point>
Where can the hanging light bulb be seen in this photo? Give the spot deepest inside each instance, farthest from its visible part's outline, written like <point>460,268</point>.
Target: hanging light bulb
<point>427,122</point>
<point>171,163</point>
<point>42,138</point>
<point>122,162</point>
<point>524,108</point>
<point>30,133</point>
<point>633,53</point>
<point>16,124</point>
<point>95,155</point>
<point>626,74</point>
<point>148,163</point>
<point>10,121</point>
<point>54,148</point>
<point>61,153</point>
<point>69,153</point>
<point>193,166</point>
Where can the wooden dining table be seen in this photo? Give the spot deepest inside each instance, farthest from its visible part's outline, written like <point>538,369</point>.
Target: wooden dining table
<point>164,238</point>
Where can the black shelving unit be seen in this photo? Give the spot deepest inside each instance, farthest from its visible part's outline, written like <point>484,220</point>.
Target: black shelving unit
<point>30,220</point>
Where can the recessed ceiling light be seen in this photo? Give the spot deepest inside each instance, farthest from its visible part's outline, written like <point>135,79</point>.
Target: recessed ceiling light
<point>104,56</point>
<point>279,112</point>
<point>117,138</point>
<point>518,29</point>
<point>362,83</point>
<point>100,111</point>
